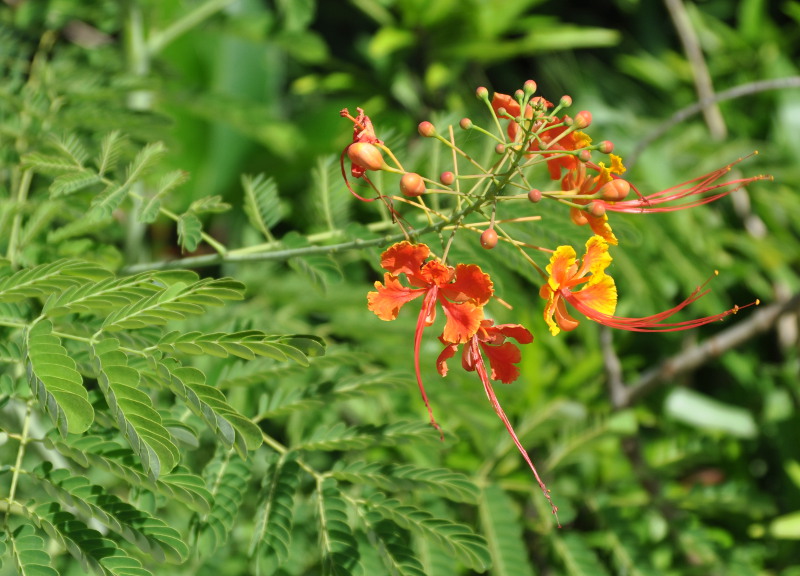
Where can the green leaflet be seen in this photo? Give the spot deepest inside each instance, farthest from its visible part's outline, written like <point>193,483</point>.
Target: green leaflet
<point>207,402</point>
<point>272,533</point>
<point>466,546</point>
<point>261,203</point>
<point>133,410</point>
<point>343,437</point>
<point>55,382</point>
<point>578,558</point>
<point>44,279</point>
<point>150,534</point>
<point>338,546</point>
<point>503,531</point>
<point>174,302</point>
<point>28,551</point>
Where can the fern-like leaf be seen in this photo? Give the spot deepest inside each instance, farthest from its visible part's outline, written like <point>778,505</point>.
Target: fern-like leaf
<point>55,382</point>
<point>175,302</point>
<point>343,437</point>
<point>397,556</point>
<point>48,278</point>
<point>330,210</point>
<point>207,402</point>
<point>319,269</point>
<point>467,547</point>
<point>29,553</point>
<point>148,533</point>
<point>110,150</point>
<point>71,147</point>
<point>503,531</point>
<point>578,558</point>
<point>149,210</point>
<point>94,452</point>
<point>227,477</point>
<point>246,344</point>
<point>209,205</point>
<point>49,164</point>
<point>85,544</point>
<point>190,231</point>
<point>339,547</point>
<point>273,525</point>
<point>133,410</point>
<point>72,182</point>
<point>261,203</point>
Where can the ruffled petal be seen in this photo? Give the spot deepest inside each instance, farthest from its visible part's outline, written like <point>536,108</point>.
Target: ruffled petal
<point>597,257</point>
<point>404,258</point>
<point>561,266</point>
<point>550,308</point>
<point>600,295</point>
<point>463,321</point>
<point>516,331</point>
<point>503,360</point>
<point>470,284</point>
<point>388,300</point>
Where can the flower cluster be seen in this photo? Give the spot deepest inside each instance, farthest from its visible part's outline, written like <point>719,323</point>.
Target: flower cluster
<point>528,131</point>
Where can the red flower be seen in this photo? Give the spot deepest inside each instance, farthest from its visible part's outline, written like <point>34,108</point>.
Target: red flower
<point>503,357</point>
<point>363,153</point>
<point>462,292</point>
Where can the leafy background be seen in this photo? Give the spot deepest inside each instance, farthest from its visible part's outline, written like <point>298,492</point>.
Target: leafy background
<point>253,417</point>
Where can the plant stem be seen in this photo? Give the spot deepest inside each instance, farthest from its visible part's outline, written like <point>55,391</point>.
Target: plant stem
<point>23,442</point>
<point>159,40</point>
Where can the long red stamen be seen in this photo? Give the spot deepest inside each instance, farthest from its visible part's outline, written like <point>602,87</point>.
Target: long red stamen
<point>428,304</point>
<point>480,368</point>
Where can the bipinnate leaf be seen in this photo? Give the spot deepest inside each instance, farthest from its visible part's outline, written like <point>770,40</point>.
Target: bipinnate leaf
<point>95,452</point>
<point>174,302</point>
<point>226,477</point>
<point>467,547</point>
<point>392,548</point>
<point>338,546</point>
<point>110,149</point>
<point>48,278</point>
<point>55,382</point>
<point>440,481</point>
<point>261,203</point>
<point>343,437</point>
<point>72,182</point>
<point>319,269</point>
<point>190,231</point>
<point>150,534</point>
<point>247,344</point>
<point>329,210</point>
<point>207,402</point>
<point>272,532</point>
<point>29,553</point>
<point>148,211</point>
<point>88,546</point>
<point>503,531</point>
<point>578,558</point>
<point>133,410</point>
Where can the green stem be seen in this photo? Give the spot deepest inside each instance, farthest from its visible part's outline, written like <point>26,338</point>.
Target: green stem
<point>16,226</point>
<point>159,40</point>
<point>23,442</point>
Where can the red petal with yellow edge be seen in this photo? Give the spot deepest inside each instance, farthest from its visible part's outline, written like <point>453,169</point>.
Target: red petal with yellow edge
<point>471,284</point>
<point>463,321</point>
<point>600,296</point>
<point>388,300</point>
<point>601,227</point>
<point>404,258</point>
<point>561,263</point>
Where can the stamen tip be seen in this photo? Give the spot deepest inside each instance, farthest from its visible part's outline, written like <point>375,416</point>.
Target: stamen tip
<point>716,272</point>
<point>758,302</point>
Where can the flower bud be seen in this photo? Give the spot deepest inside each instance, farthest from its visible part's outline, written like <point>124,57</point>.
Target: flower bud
<point>466,124</point>
<point>519,95</point>
<point>426,129</point>
<point>529,87</point>
<point>583,119</point>
<point>500,148</point>
<point>606,147</point>
<point>365,155</point>
<point>566,101</point>
<point>412,185</point>
<point>585,155</point>
<point>489,238</point>
<point>596,209</point>
<point>447,178</point>
<point>535,195</point>
<point>615,190</point>
<point>568,121</point>
<point>482,93</point>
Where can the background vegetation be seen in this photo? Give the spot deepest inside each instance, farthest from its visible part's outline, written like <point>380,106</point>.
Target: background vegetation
<point>253,417</point>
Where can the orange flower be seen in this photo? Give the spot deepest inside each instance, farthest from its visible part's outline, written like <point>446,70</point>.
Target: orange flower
<point>461,291</point>
<point>512,108</point>
<point>586,180</point>
<point>598,295</point>
<point>503,356</point>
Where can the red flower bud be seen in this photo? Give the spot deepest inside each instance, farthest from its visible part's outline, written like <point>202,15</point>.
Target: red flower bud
<point>596,209</point>
<point>615,190</point>
<point>583,119</point>
<point>606,146</point>
<point>365,155</point>
<point>585,155</point>
<point>482,93</point>
<point>535,195</point>
<point>412,184</point>
<point>466,124</point>
<point>529,87</point>
<point>566,101</point>
<point>426,129</point>
<point>489,238</point>
<point>500,148</point>
<point>447,178</point>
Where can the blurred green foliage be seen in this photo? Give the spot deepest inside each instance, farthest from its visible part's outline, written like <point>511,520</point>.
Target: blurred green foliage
<point>699,474</point>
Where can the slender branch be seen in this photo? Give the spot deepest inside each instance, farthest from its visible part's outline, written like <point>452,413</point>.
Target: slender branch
<point>23,442</point>
<point>702,78</point>
<point>159,40</point>
<point>692,109</point>
<point>758,322</point>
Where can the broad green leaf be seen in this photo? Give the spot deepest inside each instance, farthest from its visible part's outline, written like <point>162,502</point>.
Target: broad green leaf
<point>338,546</point>
<point>466,546</point>
<point>174,302</point>
<point>207,402</point>
<point>48,278</point>
<point>227,477</point>
<point>55,382</point>
<point>29,552</point>
<point>272,532</point>
<point>501,525</point>
<point>148,533</point>
<point>704,412</point>
<point>133,410</point>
